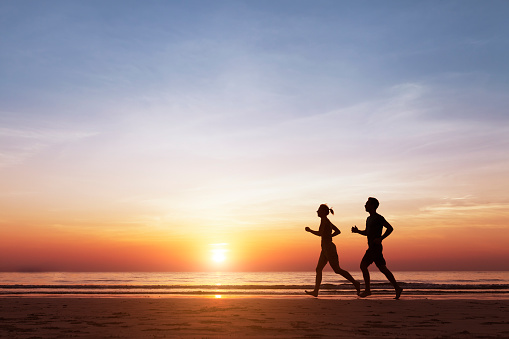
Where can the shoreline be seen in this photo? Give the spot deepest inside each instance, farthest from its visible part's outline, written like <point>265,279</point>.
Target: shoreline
<point>374,296</point>
<point>50,317</point>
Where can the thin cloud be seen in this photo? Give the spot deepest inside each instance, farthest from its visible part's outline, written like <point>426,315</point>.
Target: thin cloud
<point>19,144</point>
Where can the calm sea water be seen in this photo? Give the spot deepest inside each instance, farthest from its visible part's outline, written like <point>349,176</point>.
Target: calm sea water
<point>422,284</point>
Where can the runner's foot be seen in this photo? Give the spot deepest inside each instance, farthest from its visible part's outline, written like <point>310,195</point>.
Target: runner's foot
<point>313,293</point>
<point>398,292</point>
<point>357,287</point>
<point>365,294</point>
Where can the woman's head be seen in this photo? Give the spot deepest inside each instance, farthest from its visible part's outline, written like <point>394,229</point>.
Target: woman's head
<point>323,210</point>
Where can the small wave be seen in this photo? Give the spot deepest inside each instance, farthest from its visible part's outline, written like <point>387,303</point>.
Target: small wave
<point>342,286</point>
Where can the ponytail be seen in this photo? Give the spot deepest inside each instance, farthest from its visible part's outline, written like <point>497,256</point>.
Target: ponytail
<point>325,209</point>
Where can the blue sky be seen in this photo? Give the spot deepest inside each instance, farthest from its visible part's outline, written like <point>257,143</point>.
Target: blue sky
<point>246,113</point>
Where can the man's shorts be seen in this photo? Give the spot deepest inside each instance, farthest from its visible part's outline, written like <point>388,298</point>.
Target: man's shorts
<point>374,255</point>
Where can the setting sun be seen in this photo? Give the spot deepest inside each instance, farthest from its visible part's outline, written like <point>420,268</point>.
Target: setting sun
<point>218,252</point>
<point>218,257</point>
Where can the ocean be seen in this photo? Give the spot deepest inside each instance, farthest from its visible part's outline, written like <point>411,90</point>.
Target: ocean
<point>463,284</point>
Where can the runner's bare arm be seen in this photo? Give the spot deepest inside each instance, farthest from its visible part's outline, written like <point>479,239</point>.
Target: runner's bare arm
<point>356,230</point>
<point>336,230</point>
<point>317,233</point>
<point>388,231</point>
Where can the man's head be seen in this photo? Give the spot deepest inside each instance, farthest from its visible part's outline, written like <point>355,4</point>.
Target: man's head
<point>371,204</point>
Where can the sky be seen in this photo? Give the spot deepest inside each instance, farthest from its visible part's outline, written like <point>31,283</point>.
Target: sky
<point>203,135</point>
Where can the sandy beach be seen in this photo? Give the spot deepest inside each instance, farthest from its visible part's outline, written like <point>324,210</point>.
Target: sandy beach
<point>252,317</point>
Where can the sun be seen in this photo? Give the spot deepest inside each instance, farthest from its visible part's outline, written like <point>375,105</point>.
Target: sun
<point>218,257</point>
<point>218,253</point>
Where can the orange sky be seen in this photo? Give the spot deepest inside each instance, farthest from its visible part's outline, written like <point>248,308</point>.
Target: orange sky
<point>415,245</point>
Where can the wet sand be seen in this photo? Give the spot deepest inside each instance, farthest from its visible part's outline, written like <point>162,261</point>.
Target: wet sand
<point>252,317</point>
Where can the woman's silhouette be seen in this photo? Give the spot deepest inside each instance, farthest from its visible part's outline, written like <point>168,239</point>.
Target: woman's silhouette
<point>329,253</point>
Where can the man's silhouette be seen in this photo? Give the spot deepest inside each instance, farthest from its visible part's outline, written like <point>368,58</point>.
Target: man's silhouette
<point>374,226</point>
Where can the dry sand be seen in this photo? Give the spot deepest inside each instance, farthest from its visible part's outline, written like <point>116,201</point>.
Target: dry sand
<point>252,317</point>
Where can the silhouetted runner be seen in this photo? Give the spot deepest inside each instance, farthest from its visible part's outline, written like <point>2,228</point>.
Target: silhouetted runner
<point>329,253</point>
<point>374,226</point>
